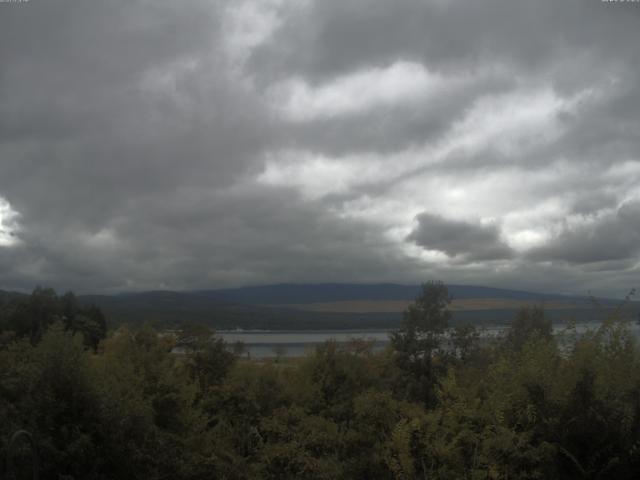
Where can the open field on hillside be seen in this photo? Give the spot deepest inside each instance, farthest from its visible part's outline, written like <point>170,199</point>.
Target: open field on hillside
<point>396,306</point>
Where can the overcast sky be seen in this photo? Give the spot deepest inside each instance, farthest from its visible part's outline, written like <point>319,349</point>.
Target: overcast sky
<point>149,144</point>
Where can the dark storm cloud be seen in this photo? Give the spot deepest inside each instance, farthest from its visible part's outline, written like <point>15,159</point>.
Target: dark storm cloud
<point>107,114</point>
<point>134,137</point>
<point>337,36</point>
<point>202,239</point>
<point>614,237</point>
<point>456,237</point>
<point>590,202</point>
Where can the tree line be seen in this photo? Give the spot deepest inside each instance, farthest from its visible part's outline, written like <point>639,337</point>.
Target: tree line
<point>438,403</point>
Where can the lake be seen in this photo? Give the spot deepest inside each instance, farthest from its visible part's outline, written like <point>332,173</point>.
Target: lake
<point>265,344</point>
<point>262,344</point>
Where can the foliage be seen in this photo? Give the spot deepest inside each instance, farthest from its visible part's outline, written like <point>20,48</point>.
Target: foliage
<point>31,316</point>
<point>529,322</point>
<point>419,341</point>
<point>144,405</point>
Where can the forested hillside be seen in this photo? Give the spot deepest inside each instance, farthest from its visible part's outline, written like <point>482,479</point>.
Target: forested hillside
<point>433,405</point>
<point>328,306</point>
<point>286,293</point>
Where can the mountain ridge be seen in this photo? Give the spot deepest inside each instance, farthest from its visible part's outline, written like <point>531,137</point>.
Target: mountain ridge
<point>286,293</point>
<point>325,306</point>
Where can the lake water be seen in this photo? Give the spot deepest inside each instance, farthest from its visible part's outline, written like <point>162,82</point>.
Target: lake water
<point>264,344</point>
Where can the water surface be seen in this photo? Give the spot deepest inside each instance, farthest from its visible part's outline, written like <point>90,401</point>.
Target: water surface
<point>292,343</point>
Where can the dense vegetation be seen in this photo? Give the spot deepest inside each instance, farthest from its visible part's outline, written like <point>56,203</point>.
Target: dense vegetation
<point>437,404</point>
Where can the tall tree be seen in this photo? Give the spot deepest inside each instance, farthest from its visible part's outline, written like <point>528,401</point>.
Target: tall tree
<point>419,339</point>
<point>529,322</point>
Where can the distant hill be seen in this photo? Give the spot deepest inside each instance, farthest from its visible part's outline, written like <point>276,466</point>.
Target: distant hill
<point>326,306</point>
<point>338,292</point>
<point>173,308</point>
<point>6,296</point>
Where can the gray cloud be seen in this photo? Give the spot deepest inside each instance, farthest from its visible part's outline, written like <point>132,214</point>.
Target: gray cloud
<point>393,127</point>
<point>612,240</point>
<point>456,237</point>
<point>205,239</point>
<point>142,144</point>
<point>333,37</point>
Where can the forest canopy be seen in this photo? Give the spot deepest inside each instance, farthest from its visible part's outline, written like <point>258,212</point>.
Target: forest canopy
<point>438,403</point>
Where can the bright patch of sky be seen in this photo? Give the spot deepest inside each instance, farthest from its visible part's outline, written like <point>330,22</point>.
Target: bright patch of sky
<point>400,82</point>
<point>8,224</point>
<point>247,24</point>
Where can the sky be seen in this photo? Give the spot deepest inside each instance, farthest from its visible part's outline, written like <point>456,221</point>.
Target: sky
<point>208,143</point>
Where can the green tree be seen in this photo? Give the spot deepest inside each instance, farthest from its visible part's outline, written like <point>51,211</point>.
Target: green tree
<point>31,316</point>
<point>465,341</point>
<point>208,359</point>
<point>418,341</point>
<point>529,322</point>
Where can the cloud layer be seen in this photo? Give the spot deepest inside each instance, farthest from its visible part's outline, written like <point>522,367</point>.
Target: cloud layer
<point>455,238</point>
<point>213,143</point>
